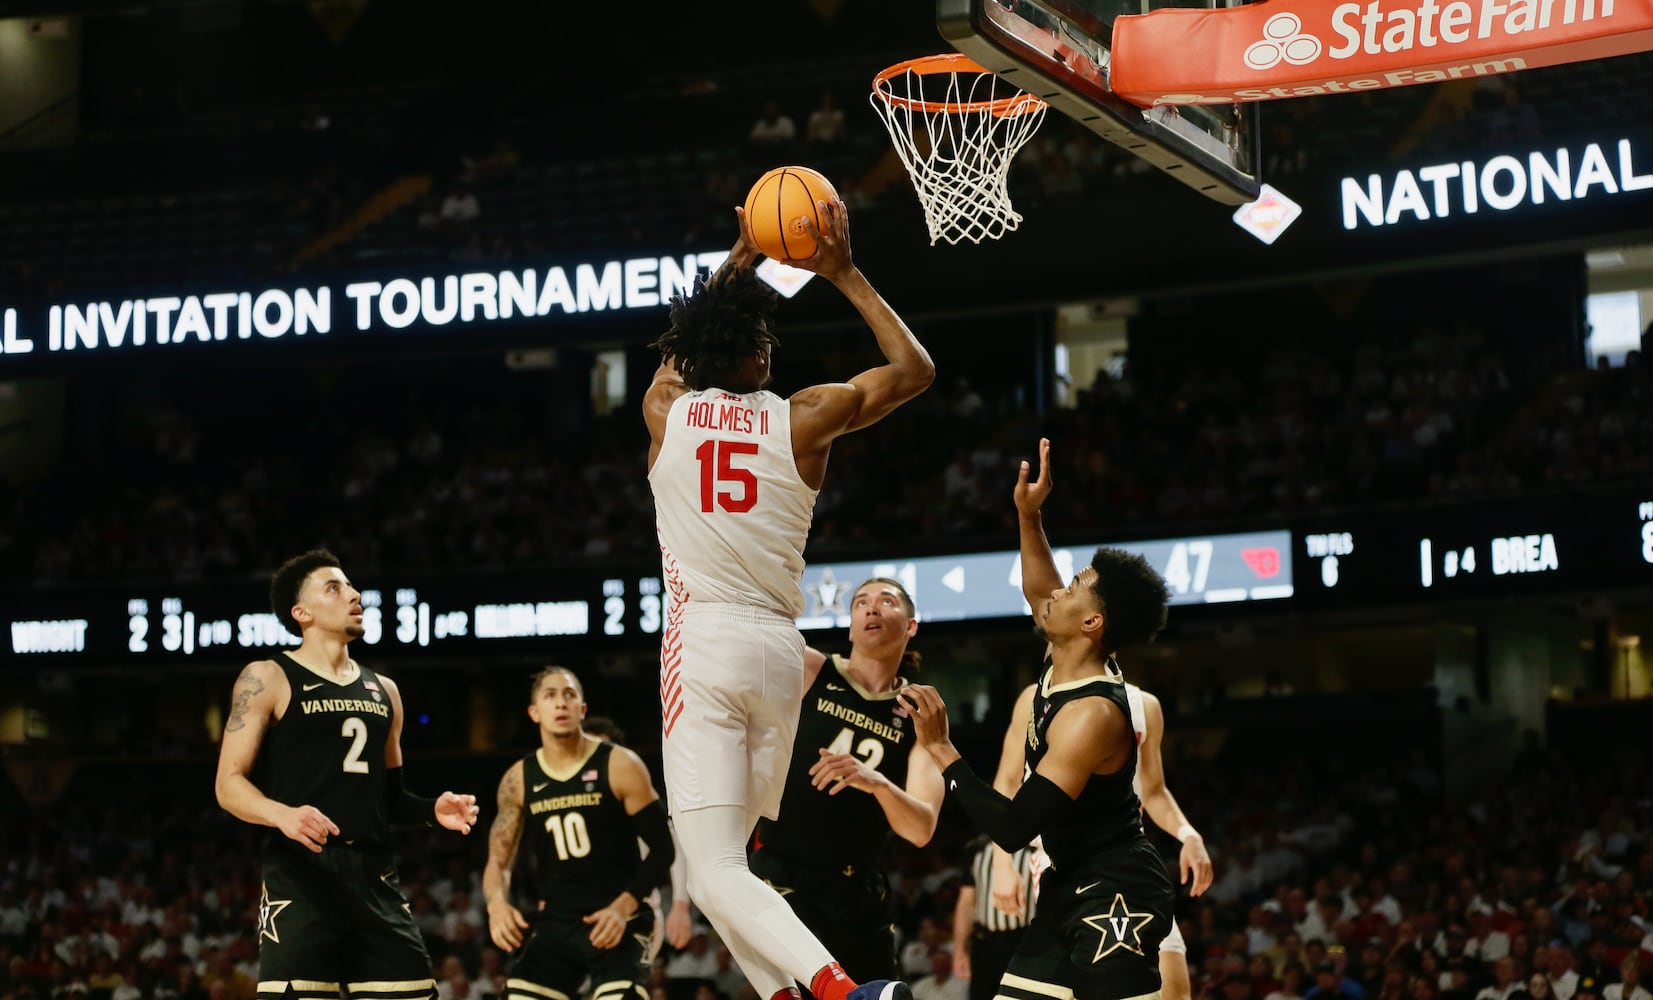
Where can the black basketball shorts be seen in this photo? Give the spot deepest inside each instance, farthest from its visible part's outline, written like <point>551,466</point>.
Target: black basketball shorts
<point>1096,933</point>
<point>558,956</point>
<point>338,921</point>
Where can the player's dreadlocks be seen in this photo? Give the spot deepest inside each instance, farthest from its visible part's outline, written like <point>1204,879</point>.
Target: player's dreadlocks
<point>726,320</point>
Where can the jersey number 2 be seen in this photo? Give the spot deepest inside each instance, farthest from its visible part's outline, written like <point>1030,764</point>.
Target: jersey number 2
<point>355,730</point>
<point>722,455</point>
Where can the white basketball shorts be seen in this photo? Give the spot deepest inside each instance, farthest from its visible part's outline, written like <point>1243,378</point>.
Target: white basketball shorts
<point>731,684</point>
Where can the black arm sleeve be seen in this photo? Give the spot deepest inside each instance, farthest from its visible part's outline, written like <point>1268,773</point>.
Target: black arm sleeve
<point>656,869</point>
<point>403,807</point>
<point>1012,823</point>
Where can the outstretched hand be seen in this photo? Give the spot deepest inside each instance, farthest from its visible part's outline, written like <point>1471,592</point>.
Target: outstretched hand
<point>456,812</point>
<point>929,714</point>
<point>832,259</point>
<point>1031,496</point>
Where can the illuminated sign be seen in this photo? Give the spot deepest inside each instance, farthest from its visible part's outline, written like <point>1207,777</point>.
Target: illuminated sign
<point>1501,184</point>
<point>469,299</point>
<point>1496,551</point>
<point>529,613</point>
<point>1212,569</point>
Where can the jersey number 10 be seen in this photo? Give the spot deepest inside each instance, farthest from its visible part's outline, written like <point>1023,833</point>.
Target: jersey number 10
<point>722,454</point>
<point>568,832</point>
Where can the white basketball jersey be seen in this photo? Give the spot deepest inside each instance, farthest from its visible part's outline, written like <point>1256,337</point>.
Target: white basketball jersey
<point>1139,722</point>
<point>730,508</point>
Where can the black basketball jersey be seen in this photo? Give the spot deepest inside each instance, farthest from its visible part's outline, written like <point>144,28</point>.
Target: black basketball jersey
<point>328,750</point>
<point>847,830</point>
<point>1107,813</point>
<point>577,832</point>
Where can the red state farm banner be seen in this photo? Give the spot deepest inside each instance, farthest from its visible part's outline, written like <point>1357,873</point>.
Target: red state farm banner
<point>1305,48</point>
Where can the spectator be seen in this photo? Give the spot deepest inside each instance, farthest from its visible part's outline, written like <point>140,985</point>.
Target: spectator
<point>1629,986</point>
<point>460,208</point>
<point>1291,983</point>
<point>1506,985</point>
<point>941,984</point>
<point>1329,984</point>
<point>1563,978</point>
<point>826,122</point>
<point>773,129</point>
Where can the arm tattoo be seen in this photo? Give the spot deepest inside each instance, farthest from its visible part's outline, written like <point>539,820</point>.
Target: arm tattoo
<point>246,686</point>
<point>506,831</point>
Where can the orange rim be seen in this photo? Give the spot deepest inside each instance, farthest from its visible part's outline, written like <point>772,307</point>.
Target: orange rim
<point>950,62</point>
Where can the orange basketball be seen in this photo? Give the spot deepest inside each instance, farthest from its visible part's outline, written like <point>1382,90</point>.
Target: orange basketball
<point>777,206</point>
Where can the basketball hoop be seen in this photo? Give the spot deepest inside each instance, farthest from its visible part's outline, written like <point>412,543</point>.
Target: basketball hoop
<point>957,141</point>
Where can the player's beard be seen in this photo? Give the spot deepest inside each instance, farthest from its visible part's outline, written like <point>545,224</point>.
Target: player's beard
<point>355,630</point>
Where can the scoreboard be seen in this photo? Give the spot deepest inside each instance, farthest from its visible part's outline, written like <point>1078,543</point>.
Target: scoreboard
<point>1421,557</point>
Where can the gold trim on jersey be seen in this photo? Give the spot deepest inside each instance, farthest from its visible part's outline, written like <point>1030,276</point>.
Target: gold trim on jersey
<point>573,769</point>
<point>355,675</point>
<point>1056,990</point>
<point>1047,689</point>
<point>618,987</point>
<point>300,987</point>
<point>391,986</point>
<point>839,662</point>
<point>524,986</point>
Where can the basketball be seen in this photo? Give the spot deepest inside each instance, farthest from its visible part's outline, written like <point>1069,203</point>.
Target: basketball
<point>777,206</point>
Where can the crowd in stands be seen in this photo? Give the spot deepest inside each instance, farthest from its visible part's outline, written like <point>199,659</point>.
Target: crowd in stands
<point>491,470</point>
<point>1337,877</point>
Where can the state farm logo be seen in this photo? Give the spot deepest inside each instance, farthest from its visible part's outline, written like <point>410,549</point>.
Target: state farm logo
<point>1284,40</point>
<point>1381,29</point>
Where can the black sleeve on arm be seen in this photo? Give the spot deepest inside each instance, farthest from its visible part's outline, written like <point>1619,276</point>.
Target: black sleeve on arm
<point>1012,823</point>
<point>403,807</point>
<point>656,869</point>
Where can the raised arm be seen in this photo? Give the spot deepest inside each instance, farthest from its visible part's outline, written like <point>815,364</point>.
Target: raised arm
<point>505,922</point>
<point>657,403</point>
<point>1161,806</point>
<point>830,410</point>
<point>1039,575</point>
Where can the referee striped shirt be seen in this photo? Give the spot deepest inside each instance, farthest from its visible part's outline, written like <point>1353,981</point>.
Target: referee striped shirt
<point>987,916</point>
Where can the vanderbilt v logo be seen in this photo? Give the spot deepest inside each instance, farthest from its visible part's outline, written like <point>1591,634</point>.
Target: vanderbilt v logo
<point>1120,927</point>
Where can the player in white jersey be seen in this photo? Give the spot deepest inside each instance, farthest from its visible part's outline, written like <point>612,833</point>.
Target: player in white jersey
<point>1148,719</point>
<point>735,470</point>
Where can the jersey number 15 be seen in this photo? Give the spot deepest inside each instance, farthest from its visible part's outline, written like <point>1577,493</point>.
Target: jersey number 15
<point>717,467</point>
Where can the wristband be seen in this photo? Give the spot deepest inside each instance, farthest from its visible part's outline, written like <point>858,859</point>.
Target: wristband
<point>1185,831</point>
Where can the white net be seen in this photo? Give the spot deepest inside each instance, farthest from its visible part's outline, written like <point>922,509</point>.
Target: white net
<point>957,141</point>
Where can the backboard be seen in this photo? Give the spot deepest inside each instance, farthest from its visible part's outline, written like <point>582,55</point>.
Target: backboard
<point>1058,50</point>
